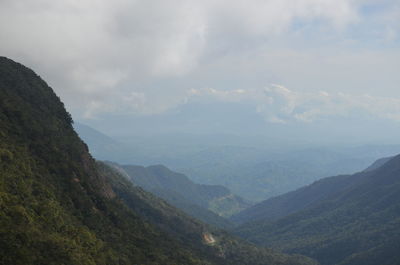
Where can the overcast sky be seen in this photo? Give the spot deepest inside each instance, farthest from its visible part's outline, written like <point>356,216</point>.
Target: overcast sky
<point>292,61</point>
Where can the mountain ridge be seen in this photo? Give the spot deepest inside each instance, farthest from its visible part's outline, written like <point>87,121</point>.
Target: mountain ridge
<point>205,202</point>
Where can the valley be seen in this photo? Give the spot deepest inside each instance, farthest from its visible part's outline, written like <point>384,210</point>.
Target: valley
<point>254,173</point>
<point>244,132</point>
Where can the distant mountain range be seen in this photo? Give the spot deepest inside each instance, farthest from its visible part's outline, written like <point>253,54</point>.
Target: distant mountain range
<point>254,173</point>
<point>257,175</point>
<point>347,219</point>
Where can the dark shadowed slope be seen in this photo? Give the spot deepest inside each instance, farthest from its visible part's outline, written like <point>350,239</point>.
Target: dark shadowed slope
<point>355,220</point>
<point>283,205</point>
<point>59,207</point>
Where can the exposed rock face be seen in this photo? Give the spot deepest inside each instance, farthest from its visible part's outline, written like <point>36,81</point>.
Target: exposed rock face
<point>98,180</point>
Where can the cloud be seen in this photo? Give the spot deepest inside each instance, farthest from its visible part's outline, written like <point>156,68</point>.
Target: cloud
<point>235,95</point>
<point>89,50</point>
<point>289,106</point>
<point>144,56</point>
<point>279,104</point>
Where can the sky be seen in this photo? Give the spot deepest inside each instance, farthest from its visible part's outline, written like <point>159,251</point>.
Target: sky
<point>295,63</point>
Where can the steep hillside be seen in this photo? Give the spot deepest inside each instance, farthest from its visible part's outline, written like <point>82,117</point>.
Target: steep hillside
<point>291,202</point>
<point>55,207</point>
<point>176,199</point>
<point>188,231</point>
<point>339,220</point>
<point>59,207</point>
<point>171,185</point>
<point>283,205</point>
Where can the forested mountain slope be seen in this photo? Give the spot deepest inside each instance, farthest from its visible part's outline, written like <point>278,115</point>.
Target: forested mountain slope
<point>58,207</point>
<point>351,219</point>
<point>177,189</point>
<point>188,231</point>
<point>283,205</point>
<point>161,180</point>
<point>291,202</point>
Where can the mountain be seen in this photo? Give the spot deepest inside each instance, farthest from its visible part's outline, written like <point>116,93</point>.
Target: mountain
<point>175,198</point>
<point>181,192</point>
<point>188,231</point>
<point>348,219</point>
<point>378,163</point>
<point>59,207</point>
<point>283,205</point>
<point>224,160</point>
<point>270,173</point>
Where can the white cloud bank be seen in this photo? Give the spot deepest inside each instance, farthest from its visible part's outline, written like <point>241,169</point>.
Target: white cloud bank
<point>143,56</point>
<point>279,104</point>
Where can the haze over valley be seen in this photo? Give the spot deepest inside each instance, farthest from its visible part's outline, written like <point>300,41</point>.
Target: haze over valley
<point>255,172</point>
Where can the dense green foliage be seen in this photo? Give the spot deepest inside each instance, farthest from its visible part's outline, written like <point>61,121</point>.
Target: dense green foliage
<point>58,207</point>
<point>351,219</point>
<point>55,208</point>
